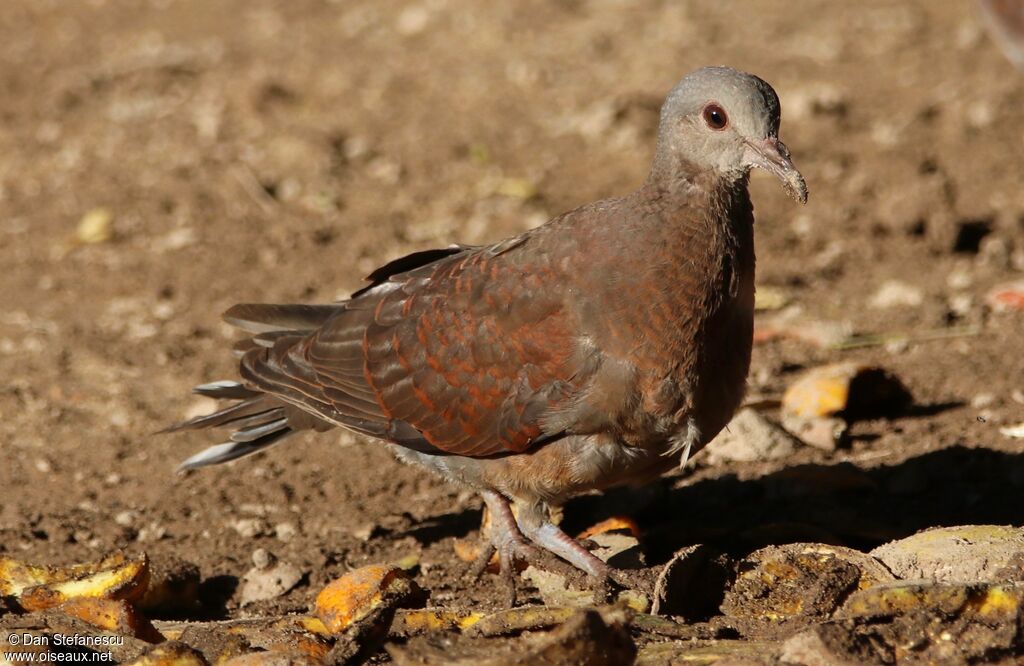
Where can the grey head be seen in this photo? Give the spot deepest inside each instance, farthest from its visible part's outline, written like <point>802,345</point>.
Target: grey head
<point>727,120</point>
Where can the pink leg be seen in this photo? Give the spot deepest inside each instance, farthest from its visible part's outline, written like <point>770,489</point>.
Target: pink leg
<point>506,539</point>
<point>535,525</point>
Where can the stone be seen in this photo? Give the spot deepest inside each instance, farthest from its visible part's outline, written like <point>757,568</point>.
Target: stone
<point>962,554</point>
<point>750,437</point>
<point>894,293</point>
<point>262,584</point>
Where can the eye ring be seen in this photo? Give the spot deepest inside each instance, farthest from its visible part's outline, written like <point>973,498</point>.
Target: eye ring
<point>715,117</point>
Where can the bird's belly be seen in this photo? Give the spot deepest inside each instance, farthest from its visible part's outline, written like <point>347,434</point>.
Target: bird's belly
<point>552,473</point>
<point>727,361</point>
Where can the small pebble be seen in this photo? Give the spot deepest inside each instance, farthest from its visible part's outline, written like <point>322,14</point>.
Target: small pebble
<point>983,400</point>
<point>894,293</point>
<point>285,531</point>
<point>250,527</point>
<point>262,558</point>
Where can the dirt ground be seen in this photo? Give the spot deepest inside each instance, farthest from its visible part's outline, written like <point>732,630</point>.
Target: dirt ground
<point>257,150</point>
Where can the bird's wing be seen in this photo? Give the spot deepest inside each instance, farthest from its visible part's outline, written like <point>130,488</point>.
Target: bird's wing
<point>465,354</point>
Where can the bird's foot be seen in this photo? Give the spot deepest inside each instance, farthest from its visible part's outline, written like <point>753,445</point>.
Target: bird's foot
<point>531,538</point>
<point>505,539</point>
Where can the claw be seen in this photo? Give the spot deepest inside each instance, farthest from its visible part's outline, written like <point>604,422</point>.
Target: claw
<point>510,536</point>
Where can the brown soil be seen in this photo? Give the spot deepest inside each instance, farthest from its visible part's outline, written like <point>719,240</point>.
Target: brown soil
<point>278,151</point>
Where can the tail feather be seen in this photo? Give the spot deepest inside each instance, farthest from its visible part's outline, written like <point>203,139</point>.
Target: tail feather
<point>256,432</point>
<point>258,419</point>
<point>226,390</point>
<point>262,405</point>
<point>264,318</point>
<point>228,451</point>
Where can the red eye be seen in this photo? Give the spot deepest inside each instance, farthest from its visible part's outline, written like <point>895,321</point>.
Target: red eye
<point>715,117</point>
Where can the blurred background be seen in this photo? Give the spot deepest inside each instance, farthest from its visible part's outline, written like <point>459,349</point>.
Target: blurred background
<point>162,160</point>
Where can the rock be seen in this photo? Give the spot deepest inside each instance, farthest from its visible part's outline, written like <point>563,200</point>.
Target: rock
<point>692,584</point>
<point>826,432</point>
<point>1014,431</point>
<point>597,637</point>
<point>262,558</point>
<point>962,554</point>
<point>750,437</point>
<point>982,400</point>
<point>262,584</point>
<point>285,531</point>
<point>614,542</point>
<point>619,550</point>
<point>554,589</point>
<point>250,528</point>
<point>893,294</point>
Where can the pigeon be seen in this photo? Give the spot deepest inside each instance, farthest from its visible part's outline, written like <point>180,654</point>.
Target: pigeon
<point>599,349</point>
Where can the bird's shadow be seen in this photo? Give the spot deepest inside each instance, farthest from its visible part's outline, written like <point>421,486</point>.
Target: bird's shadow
<point>828,503</point>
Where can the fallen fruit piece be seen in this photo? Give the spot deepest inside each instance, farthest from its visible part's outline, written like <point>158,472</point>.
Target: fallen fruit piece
<point>770,298</point>
<point>33,587</point>
<point>413,622</point>
<point>358,593</point>
<point>517,620</point>
<point>294,635</point>
<point>270,659</point>
<point>115,615</point>
<point>613,524</point>
<point>96,226</point>
<point>848,389</point>
<point>1007,296</point>
<point>799,580</point>
<point>597,637</point>
<point>991,603</point>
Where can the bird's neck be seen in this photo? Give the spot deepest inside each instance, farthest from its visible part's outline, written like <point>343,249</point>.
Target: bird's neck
<point>709,216</point>
<point>675,176</point>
